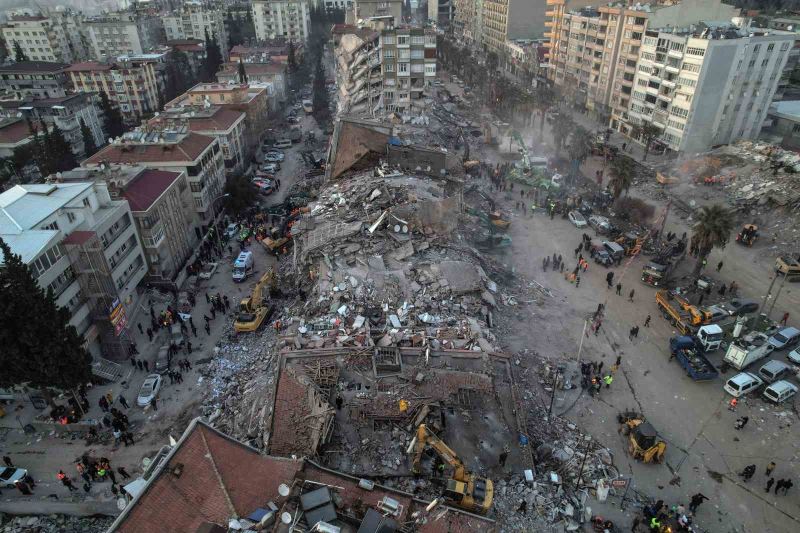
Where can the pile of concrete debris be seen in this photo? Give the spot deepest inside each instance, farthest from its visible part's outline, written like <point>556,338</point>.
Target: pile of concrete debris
<point>53,524</point>
<point>379,266</point>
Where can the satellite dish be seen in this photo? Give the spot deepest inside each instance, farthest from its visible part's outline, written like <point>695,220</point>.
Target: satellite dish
<point>286,518</point>
<point>102,166</point>
<point>58,175</point>
<point>110,140</point>
<point>121,504</point>
<point>157,113</point>
<point>283,490</point>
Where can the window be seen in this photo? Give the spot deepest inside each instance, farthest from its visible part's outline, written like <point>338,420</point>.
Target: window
<point>430,69</point>
<point>691,67</point>
<point>771,47</point>
<point>388,53</point>
<point>71,217</point>
<point>796,128</point>
<point>679,112</point>
<point>638,95</point>
<point>404,53</point>
<point>418,67</point>
<point>53,226</point>
<point>678,47</point>
<point>764,62</point>
<point>417,39</point>
<point>784,47</point>
<point>644,68</point>
<point>388,67</point>
<point>86,202</point>
<point>417,54</point>
<point>692,51</point>
<point>686,82</point>
<point>675,124</point>
<point>402,40</point>
<point>402,68</point>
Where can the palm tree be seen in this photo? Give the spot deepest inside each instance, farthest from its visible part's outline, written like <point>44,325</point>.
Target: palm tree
<point>621,175</point>
<point>544,101</point>
<point>647,132</point>
<point>712,229</point>
<point>580,146</point>
<point>561,131</point>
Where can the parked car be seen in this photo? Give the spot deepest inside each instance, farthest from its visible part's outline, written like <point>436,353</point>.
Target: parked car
<point>230,231</point>
<point>794,356</point>
<point>149,390</point>
<point>277,154</point>
<point>717,313</point>
<point>774,370</point>
<point>600,224</point>
<point>742,383</point>
<point>739,307</point>
<point>785,338</point>
<point>162,360</point>
<point>273,158</point>
<point>271,167</point>
<point>780,391</point>
<point>10,475</point>
<point>577,219</point>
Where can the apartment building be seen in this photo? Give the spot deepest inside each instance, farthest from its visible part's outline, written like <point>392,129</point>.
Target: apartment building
<point>193,20</point>
<point>226,125</point>
<point>441,12</point>
<point>468,21</point>
<point>594,52</point>
<point>134,83</point>
<point>504,20</point>
<point>67,112</point>
<point>251,99</point>
<point>707,85</point>
<point>40,38</point>
<point>162,208</point>
<point>118,34</point>
<point>367,9</point>
<point>273,74</point>
<point>195,51</point>
<point>359,76</point>
<point>289,19</point>
<point>179,150</point>
<point>35,79</point>
<point>408,65</point>
<point>83,245</point>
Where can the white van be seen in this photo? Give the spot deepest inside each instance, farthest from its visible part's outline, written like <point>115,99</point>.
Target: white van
<point>780,391</point>
<point>742,383</point>
<point>282,144</point>
<point>243,266</point>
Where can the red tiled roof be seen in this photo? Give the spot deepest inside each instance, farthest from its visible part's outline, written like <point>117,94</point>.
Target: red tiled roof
<point>27,18</point>
<point>87,66</point>
<point>148,187</point>
<point>14,132</point>
<point>222,120</point>
<point>291,404</point>
<point>79,237</point>
<point>217,473</point>
<point>185,151</point>
<point>34,66</point>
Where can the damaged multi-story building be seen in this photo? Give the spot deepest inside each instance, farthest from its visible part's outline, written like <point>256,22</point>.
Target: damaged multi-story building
<point>383,71</point>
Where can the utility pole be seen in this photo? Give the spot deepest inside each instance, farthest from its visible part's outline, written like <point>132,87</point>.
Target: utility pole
<point>553,395</point>
<point>764,302</point>
<point>583,334</point>
<point>775,300</point>
<point>588,440</point>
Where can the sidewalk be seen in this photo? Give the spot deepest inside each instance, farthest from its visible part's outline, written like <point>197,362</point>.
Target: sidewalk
<point>48,506</point>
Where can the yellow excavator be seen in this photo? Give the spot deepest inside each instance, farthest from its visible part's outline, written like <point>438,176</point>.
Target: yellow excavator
<point>254,310</point>
<point>643,442</point>
<point>464,489</point>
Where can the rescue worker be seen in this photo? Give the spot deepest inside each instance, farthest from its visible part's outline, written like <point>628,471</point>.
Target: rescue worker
<point>608,379</point>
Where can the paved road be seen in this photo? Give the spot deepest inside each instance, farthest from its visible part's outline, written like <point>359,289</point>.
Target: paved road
<point>704,451</point>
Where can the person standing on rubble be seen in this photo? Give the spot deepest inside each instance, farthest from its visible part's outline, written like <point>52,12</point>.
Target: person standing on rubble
<point>619,289</point>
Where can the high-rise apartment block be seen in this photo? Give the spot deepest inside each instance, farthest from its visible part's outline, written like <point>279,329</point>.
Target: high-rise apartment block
<point>40,38</point>
<point>408,58</point>
<point>288,19</point>
<point>119,34</point>
<point>194,20</point>
<point>506,20</point>
<point>367,9</point>
<point>35,79</point>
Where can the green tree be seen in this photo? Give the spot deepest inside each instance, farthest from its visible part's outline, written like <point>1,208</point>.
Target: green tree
<point>647,133</point>
<point>242,72</point>
<point>544,101</point>
<point>179,74</point>
<point>291,59</point>
<point>622,172</point>
<point>19,54</point>
<point>114,125</point>
<point>320,93</point>
<point>89,146</point>
<point>63,158</point>
<point>213,58</point>
<point>39,345</point>
<point>580,146</point>
<point>242,194</point>
<point>711,230</point>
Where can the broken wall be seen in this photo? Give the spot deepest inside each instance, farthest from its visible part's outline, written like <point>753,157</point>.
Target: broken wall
<point>415,158</point>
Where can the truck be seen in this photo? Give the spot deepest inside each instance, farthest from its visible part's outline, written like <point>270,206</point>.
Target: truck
<point>689,352</point>
<point>656,273</point>
<point>308,106</point>
<point>682,314</point>
<point>746,350</point>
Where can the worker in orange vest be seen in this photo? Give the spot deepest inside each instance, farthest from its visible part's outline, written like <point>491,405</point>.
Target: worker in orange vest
<point>732,404</point>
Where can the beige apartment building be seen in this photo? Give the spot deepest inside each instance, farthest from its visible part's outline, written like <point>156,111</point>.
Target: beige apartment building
<point>288,19</point>
<point>467,20</point>
<point>193,20</point>
<point>40,38</point>
<point>118,34</point>
<point>594,52</point>
<point>507,20</point>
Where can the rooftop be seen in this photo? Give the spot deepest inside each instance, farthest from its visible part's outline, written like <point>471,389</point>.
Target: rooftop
<point>200,119</point>
<point>253,69</point>
<point>147,187</point>
<point>788,109</point>
<point>22,207</point>
<point>87,66</point>
<point>33,66</point>
<point>185,149</point>
<point>28,245</point>
<point>13,131</point>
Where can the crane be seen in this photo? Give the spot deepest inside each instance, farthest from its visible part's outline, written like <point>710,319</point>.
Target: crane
<point>254,310</point>
<point>464,489</point>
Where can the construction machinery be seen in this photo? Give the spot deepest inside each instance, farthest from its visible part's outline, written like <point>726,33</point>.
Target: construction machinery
<point>748,235</point>
<point>464,489</point>
<point>254,310</point>
<point>630,242</point>
<point>682,314</point>
<point>643,442</point>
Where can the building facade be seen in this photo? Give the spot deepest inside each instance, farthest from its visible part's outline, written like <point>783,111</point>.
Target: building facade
<point>40,38</point>
<point>408,65</point>
<point>119,34</point>
<point>288,19</point>
<point>198,156</point>
<point>193,20</point>
<point>441,12</point>
<point>67,112</point>
<point>134,83</point>
<point>273,74</point>
<point>707,86</point>
<point>367,9</point>
<point>468,21</point>
<point>35,79</point>
<point>53,226</point>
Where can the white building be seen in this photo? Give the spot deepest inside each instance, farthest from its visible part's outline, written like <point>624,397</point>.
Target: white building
<point>67,112</point>
<point>44,223</point>
<point>289,19</point>
<point>41,38</point>
<point>193,20</point>
<point>707,85</point>
<point>119,34</point>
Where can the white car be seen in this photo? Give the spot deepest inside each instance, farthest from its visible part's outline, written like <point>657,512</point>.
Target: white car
<point>231,230</point>
<point>149,390</point>
<point>278,156</point>
<point>270,167</point>
<point>780,391</point>
<point>794,356</point>
<point>577,218</point>
<point>10,475</point>
<point>600,224</point>
<point>742,383</point>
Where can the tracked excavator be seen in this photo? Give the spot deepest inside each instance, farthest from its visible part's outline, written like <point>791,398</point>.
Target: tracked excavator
<point>254,310</point>
<point>464,489</point>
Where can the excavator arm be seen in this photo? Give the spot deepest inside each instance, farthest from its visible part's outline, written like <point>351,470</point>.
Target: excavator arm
<point>425,437</point>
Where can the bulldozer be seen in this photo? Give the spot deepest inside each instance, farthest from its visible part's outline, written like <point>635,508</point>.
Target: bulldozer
<point>748,235</point>
<point>643,442</point>
<point>464,489</point>
<point>254,310</point>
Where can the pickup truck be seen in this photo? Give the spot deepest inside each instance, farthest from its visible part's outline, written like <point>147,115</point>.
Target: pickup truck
<point>746,350</point>
<point>689,353</point>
